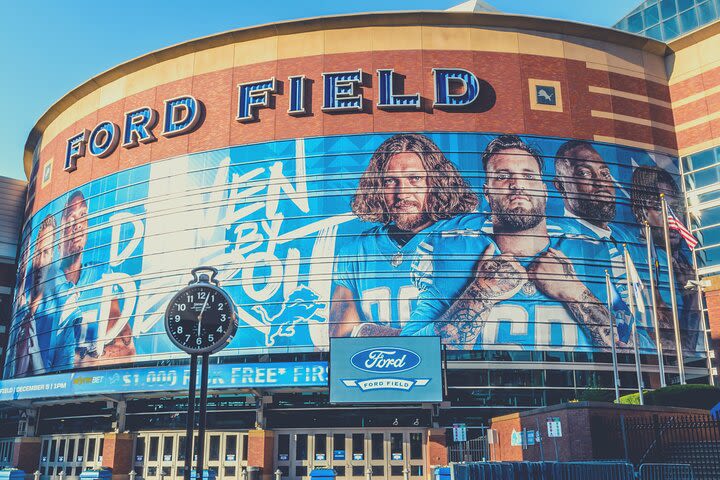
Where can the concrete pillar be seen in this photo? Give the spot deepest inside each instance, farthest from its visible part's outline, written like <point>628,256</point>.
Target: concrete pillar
<point>437,453</point>
<point>261,450</point>
<point>26,454</point>
<point>117,453</point>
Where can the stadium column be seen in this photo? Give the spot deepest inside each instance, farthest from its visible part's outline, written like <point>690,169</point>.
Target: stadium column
<point>117,452</point>
<point>26,454</point>
<point>437,447</point>
<point>260,451</point>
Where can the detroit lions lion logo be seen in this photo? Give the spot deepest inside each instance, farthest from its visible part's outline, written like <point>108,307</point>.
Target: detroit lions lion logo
<point>301,307</point>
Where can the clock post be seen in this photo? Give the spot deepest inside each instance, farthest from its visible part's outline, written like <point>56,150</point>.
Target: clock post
<point>200,320</point>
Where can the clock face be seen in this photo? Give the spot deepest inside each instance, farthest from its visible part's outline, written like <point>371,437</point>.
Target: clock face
<point>200,319</point>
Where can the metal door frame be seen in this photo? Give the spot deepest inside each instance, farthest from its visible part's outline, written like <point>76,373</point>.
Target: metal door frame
<point>330,462</point>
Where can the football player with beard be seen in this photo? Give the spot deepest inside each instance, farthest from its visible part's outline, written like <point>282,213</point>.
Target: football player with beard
<point>507,283</point>
<point>584,180</point>
<point>409,187</point>
<point>37,305</point>
<point>587,187</point>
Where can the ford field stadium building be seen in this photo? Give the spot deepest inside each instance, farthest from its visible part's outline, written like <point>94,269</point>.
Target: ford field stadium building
<point>481,178</point>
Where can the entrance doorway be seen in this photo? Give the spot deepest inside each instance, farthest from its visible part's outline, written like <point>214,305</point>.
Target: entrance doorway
<point>350,453</point>
<point>161,455</point>
<point>70,454</point>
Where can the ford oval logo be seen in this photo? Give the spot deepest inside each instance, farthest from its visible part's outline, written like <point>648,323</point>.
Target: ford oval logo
<point>385,359</point>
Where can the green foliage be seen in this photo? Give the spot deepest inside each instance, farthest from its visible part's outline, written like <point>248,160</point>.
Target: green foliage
<point>596,395</point>
<point>634,398</point>
<point>688,396</point>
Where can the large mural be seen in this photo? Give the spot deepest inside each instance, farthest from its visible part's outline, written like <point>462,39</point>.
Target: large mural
<point>491,241</point>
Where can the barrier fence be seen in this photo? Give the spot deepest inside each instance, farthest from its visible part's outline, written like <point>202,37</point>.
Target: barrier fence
<point>474,450</point>
<point>692,439</point>
<point>564,471</point>
<point>543,471</point>
<point>665,471</point>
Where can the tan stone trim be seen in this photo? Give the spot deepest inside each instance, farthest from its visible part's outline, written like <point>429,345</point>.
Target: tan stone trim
<point>629,96</point>
<point>697,96</point>
<point>630,73</point>
<point>632,143</point>
<point>115,84</point>
<point>699,147</point>
<point>637,121</point>
<point>698,121</point>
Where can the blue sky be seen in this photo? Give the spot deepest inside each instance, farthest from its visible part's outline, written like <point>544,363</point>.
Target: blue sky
<point>50,47</point>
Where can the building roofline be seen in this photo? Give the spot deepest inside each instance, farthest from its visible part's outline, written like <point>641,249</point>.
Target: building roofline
<point>695,36</point>
<point>377,19</point>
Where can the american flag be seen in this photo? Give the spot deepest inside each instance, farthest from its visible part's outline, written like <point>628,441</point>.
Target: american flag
<point>674,223</point>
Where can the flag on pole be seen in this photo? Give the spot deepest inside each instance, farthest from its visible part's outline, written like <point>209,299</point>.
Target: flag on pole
<point>674,223</point>
<point>618,305</point>
<point>635,296</point>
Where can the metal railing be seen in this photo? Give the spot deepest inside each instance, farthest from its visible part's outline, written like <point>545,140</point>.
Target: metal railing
<point>665,471</point>
<point>475,450</point>
<point>692,439</point>
<point>543,471</point>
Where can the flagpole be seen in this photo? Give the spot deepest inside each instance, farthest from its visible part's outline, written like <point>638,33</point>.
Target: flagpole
<point>631,301</point>
<point>656,322</point>
<point>611,320</point>
<point>673,298</point>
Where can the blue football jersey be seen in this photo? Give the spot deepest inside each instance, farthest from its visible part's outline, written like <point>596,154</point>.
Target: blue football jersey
<point>530,320</point>
<point>378,273</point>
<point>79,316</point>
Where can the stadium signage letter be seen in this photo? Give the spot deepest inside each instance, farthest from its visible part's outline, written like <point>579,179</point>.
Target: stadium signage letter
<point>454,89</point>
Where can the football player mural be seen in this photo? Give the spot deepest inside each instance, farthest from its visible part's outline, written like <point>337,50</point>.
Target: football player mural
<point>493,242</point>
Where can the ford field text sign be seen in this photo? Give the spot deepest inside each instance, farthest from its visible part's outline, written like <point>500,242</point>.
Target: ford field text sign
<point>385,370</point>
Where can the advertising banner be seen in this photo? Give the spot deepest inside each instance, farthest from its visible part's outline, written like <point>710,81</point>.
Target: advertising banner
<point>492,242</point>
<point>165,379</point>
<point>385,370</point>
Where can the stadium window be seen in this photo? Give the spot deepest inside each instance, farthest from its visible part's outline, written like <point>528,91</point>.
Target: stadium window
<point>704,178</point>
<point>688,20</point>
<point>711,255</point>
<point>706,12</point>
<point>635,23</point>
<point>671,28</point>
<point>654,32</point>
<point>699,160</point>
<point>651,16</point>
<point>710,216</point>
<point>685,4</point>
<point>667,8</point>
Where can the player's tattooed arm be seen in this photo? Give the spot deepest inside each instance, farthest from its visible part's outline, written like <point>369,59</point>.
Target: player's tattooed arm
<point>376,330</point>
<point>592,317</point>
<point>553,273</point>
<point>496,279</point>
<point>344,316</point>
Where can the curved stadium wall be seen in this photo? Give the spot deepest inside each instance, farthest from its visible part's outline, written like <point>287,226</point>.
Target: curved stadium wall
<point>272,154</point>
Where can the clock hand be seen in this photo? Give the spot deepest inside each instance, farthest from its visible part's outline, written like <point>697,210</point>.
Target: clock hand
<point>207,297</point>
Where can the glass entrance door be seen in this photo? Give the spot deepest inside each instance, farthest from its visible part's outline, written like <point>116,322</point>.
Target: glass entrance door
<point>70,454</point>
<point>350,453</point>
<point>161,455</point>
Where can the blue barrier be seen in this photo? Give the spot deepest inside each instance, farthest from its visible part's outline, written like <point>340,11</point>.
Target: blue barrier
<point>12,474</point>
<point>206,474</point>
<point>102,473</point>
<point>322,474</point>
